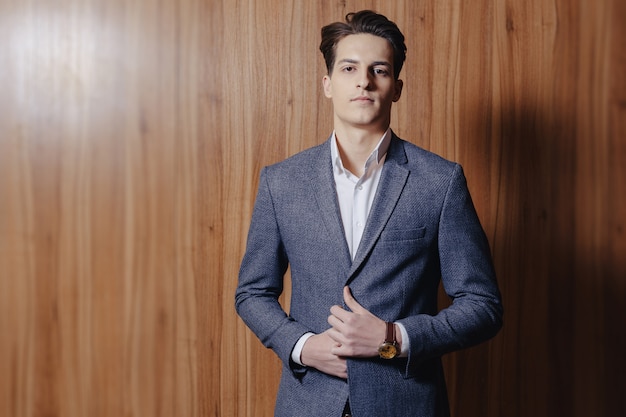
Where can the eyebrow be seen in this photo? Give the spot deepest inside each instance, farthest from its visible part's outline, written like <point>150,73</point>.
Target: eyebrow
<point>374,64</point>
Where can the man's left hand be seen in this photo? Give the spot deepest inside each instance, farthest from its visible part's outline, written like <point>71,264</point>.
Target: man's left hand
<point>357,333</point>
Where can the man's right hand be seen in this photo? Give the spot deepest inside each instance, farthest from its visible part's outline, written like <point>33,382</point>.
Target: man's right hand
<point>316,353</point>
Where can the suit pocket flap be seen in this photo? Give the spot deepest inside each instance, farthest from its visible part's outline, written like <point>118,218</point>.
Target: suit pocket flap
<point>403,234</point>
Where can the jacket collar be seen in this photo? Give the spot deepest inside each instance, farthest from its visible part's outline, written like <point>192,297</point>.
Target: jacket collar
<point>392,182</point>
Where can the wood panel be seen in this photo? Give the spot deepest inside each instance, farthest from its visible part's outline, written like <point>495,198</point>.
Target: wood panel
<point>89,122</point>
<point>131,138</point>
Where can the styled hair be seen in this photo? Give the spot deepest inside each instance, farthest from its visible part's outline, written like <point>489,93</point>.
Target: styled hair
<point>365,21</point>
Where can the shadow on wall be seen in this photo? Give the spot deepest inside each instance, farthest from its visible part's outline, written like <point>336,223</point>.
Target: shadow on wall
<point>561,350</point>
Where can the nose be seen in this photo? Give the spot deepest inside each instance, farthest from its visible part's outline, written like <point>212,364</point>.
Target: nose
<point>364,81</point>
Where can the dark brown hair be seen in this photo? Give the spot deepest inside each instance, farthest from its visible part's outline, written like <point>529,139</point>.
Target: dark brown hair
<point>365,21</point>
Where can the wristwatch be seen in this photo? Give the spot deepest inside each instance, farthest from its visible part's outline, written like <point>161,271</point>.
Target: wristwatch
<point>389,349</point>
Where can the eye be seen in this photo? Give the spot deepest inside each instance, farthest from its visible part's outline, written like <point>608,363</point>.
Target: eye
<point>348,68</point>
<point>381,71</point>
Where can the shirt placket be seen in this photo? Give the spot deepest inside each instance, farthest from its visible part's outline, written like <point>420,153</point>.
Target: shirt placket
<point>360,205</point>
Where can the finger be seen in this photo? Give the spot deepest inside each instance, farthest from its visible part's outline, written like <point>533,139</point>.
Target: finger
<point>334,321</point>
<point>336,350</point>
<point>335,336</point>
<point>340,313</point>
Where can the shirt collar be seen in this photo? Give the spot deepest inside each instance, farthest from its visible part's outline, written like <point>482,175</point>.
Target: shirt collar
<point>377,154</point>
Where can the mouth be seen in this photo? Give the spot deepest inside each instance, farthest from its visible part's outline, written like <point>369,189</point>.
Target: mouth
<point>362,99</point>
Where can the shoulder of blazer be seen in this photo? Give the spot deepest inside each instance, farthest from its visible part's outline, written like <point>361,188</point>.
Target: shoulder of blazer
<point>303,160</point>
<point>415,157</point>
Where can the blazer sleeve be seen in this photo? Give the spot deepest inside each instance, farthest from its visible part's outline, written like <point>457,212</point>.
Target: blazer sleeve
<point>468,278</point>
<point>261,278</point>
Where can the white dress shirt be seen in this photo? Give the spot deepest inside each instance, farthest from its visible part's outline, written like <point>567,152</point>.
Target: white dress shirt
<point>356,196</point>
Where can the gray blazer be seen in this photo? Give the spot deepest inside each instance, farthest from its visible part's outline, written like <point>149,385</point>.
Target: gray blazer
<point>422,229</point>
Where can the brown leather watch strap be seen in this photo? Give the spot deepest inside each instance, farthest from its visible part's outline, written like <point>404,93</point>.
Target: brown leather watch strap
<point>391,333</point>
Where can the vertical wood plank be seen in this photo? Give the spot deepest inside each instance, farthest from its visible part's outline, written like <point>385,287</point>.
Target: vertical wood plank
<point>131,139</point>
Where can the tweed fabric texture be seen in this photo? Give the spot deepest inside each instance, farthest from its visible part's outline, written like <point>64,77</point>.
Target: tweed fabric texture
<point>422,230</point>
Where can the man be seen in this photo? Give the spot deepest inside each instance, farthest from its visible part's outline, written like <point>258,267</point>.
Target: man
<point>369,225</point>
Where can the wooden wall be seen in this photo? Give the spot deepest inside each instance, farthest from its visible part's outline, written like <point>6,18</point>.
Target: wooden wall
<point>131,137</point>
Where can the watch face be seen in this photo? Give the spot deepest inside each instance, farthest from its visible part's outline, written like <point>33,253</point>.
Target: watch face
<point>387,351</point>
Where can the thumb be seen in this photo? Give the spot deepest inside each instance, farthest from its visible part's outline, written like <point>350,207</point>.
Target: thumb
<point>351,302</point>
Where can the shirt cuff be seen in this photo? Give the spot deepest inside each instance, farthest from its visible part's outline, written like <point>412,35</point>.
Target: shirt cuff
<point>297,349</point>
<point>406,344</point>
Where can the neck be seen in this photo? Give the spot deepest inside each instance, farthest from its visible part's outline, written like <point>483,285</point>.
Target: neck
<point>355,147</point>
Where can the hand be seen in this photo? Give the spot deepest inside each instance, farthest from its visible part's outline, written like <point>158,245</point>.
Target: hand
<point>316,353</point>
<point>358,333</point>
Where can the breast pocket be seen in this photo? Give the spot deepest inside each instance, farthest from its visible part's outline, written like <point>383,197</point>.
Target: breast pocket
<point>400,235</point>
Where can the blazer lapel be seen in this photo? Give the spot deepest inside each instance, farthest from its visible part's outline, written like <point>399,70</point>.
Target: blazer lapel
<point>323,184</point>
<point>392,182</point>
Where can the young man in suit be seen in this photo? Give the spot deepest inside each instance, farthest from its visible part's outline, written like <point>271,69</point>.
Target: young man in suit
<point>369,225</point>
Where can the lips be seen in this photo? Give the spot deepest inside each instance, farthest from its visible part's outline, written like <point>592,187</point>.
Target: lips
<point>362,99</point>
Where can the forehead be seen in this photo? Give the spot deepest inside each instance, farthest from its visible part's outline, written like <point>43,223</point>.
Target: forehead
<point>364,47</point>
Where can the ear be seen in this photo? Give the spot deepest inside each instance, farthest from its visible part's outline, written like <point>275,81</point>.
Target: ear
<point>398,87</point>
<point>328,91</point>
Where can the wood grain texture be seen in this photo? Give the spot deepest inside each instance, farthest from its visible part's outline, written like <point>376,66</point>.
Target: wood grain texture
<point>131,138</point>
